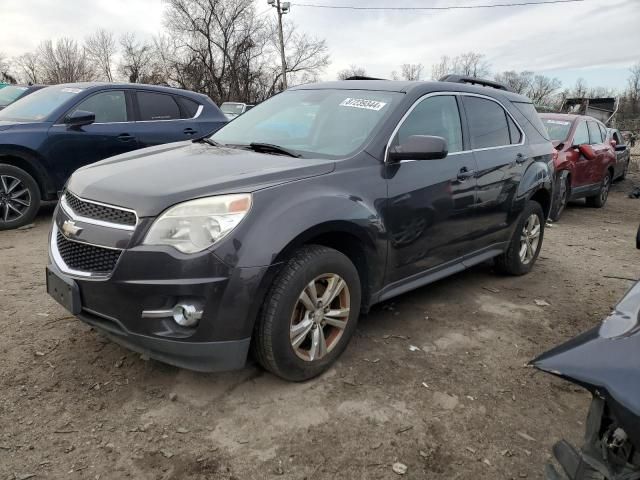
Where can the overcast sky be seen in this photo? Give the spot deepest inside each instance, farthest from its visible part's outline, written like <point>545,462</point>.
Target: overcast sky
<point>597,40</point>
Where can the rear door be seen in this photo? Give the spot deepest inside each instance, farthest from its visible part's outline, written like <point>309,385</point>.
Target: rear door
<point>502,157</point>
<point>70,148</point>
<point>429,201</point>
<point>162,118</point>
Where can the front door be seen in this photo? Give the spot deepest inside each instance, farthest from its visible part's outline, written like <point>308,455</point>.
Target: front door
<point>581,170</point>
<point>429,201</point>
<point>69,148</point>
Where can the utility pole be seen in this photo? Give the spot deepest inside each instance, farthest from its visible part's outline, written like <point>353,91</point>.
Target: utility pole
<point>282,8</point>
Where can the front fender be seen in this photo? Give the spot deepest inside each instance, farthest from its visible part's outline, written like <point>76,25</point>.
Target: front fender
<point>538,176</point>
<point>282,220</point>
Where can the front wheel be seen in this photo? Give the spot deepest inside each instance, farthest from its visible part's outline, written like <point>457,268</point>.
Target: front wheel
<point>599,200</point>
<point>309,314</point>
<point>525,243</point>
<point>19,197</point>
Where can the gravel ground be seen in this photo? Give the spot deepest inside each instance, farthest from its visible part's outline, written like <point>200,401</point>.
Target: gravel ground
<point>462,405</point>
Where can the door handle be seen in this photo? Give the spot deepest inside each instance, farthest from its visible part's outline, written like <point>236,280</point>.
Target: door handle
<point>464,174</point>
<point>520,159</point>
<point>125,137</point>
<point>189,131</point>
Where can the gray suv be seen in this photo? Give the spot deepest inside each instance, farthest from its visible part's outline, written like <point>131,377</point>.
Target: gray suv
<point>275,233</point>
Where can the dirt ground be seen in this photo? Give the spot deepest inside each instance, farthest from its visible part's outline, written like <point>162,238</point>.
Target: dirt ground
<point>462,405</point>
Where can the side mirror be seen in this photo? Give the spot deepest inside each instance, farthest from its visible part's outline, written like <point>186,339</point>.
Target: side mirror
<point>587,151</point>
<point>80,118</point>
<point>419,147</point>
<point>621,148</point>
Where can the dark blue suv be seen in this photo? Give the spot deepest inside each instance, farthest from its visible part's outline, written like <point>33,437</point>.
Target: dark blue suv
<point>46,136</point>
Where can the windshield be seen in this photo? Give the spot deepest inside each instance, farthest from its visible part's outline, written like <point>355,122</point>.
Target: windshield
<point>37,106</point>
<point>312,123</point>
<point>10,93</point>
<point>235,108</point>
<point>558,129</point>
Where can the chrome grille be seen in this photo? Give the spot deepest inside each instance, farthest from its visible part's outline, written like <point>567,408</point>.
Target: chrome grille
<point>86,258</point>
<point>100,212</point>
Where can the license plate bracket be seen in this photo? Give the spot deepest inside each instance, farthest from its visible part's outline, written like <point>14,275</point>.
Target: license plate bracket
<point>65,291</point>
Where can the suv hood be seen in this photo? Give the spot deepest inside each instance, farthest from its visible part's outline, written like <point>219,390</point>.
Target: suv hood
<point>153,179</point>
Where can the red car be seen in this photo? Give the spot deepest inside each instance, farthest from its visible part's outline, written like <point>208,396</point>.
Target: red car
<point>585,162</point>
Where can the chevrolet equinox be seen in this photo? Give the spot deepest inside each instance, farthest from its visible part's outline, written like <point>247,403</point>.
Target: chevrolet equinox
<point>275,233</point>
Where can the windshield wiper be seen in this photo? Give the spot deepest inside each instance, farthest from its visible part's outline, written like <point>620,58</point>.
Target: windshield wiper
<point>270,148</point>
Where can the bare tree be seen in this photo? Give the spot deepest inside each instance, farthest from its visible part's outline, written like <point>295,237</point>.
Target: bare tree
<point>442,68</point>
<point>64,62</point>
<point>101,49</point>
<point>580,89</point>
<point>519,82</point>
<point>470,64</point>
<point>412,71</point>
<point>29,65</point>
<point>232,54</point>
<point>633,89</point>
<point>136,58</point>
<point>352,71</point>
<point>542,89</point>
<point>5,76</point>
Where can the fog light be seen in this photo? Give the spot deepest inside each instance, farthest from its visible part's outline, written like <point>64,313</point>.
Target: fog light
<point>186,315</point>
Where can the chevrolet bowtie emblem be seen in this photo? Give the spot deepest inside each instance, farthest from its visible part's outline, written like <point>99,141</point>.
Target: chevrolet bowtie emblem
<point>69,228</point>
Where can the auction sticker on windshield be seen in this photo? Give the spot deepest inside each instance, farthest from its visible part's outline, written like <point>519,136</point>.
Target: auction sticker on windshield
<point>363,103</point>
<point>558,122</point>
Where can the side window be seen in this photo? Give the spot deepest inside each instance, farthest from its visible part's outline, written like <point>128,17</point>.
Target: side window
<point>157,106</point>
<point>487,123</point>
<point>109,106</point>
<point>603,132</point>
<point>438,116</point>
<point>188,107</point>
<point>581,136</point>
<point>617,138</point>
<point>514,133</point>
<point>595,135</point>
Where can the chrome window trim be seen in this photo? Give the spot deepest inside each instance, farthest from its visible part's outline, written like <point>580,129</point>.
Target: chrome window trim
<point>69,211</point>
<point>60,263</point>
<point>198,113</point>
<point>456,94</point>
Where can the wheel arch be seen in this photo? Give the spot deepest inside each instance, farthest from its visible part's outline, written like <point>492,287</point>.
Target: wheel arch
<point>350,240</point>
<point>29,161</point>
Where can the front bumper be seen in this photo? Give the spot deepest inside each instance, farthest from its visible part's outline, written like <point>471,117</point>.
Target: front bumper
<point>156,279</point>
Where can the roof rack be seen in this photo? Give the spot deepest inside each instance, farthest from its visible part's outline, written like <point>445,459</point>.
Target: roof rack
<point>361,77</point>
<point>475,81</point>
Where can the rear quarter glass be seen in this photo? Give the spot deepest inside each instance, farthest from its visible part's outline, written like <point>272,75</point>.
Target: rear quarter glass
<point>531,114</point>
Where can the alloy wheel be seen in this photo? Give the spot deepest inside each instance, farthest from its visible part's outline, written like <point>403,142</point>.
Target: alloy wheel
<point>529,238</point>
<point>15,198</point>
<point>320,317</point>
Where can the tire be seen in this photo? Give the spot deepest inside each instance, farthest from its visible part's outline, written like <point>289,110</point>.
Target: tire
<point>511,262</point>
<point>599,200</point>
<point>625,170</point>
<point>19,197</point>
<point>560,197</point>
<point>284,318</point>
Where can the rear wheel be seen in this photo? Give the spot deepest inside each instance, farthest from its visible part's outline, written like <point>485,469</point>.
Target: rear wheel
<point>525,243</point>
<point>599,200</point>
<point>560,197</point>
<point>309,315</point>
<point>19,197</point>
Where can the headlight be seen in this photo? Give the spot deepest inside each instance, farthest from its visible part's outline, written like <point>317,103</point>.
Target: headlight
<point>197,224</point>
